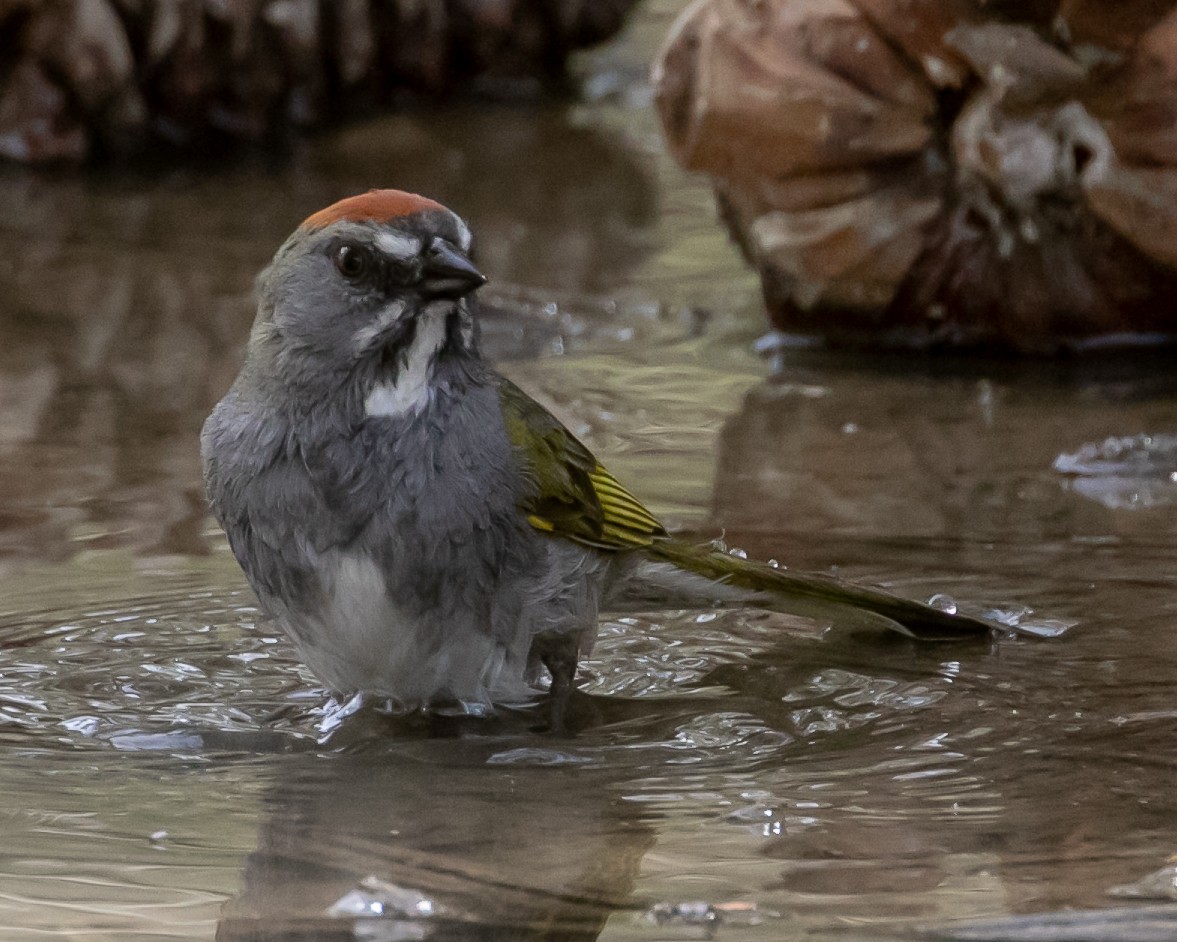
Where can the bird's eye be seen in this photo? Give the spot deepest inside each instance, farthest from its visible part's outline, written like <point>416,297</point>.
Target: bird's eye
<point>352,261</point>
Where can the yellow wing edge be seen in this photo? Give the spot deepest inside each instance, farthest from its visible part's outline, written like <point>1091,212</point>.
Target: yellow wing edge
<point>625,521</point>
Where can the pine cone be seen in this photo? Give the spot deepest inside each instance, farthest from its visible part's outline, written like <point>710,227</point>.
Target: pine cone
<point>80,78</point>
<point>939,172</point>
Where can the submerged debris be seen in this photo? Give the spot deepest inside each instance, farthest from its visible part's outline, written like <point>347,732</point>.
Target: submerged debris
<point>694,913</point>
<point>708,917</point>
<point>1127,472</point>
<point>1160,884</point>
<point>939,172</point>
<point>1143,455</point>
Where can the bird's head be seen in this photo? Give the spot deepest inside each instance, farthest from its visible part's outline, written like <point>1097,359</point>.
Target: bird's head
<point>376,289</point>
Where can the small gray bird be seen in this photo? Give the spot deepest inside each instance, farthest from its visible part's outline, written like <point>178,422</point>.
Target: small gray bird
<point>420,527</point>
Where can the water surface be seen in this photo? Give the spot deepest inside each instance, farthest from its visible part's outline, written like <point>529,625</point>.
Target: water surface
<point>170,771</point>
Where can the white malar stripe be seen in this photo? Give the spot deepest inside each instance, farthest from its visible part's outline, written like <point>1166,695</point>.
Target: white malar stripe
<point>398,246</point>
<point>383,322</point>
<point>409,391</point>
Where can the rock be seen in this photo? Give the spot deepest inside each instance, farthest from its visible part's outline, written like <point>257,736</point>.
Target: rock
<point>939,172</point>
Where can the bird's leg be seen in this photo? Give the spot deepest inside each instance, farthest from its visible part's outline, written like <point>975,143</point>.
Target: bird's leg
<point>559,653</point>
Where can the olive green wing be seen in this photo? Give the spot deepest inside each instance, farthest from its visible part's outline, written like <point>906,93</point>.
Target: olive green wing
<point>572,495</point>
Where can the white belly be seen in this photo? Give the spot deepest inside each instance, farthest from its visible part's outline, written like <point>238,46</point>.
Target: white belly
<point>362,641</point>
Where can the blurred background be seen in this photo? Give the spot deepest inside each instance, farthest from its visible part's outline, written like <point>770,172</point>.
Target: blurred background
<point>875,288</point>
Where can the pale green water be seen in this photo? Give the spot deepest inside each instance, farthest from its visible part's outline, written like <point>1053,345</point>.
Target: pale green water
<point>167,770</point>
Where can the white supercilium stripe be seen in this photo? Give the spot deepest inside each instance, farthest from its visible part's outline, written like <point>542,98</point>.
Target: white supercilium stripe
<point>464,237</point>
<point>398,246</point>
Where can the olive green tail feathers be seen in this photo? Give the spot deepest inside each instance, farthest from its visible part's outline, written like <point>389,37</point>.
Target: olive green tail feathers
<point>812,595</point>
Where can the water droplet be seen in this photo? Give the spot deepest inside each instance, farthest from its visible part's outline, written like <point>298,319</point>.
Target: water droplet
<point>377,897</point>
<point>943,603</point>
<point>334,712</point>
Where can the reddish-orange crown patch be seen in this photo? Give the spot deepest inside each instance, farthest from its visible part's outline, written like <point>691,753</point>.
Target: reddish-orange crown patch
<point>375,205</point>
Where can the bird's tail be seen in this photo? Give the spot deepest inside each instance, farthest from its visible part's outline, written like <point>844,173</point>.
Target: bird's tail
<point>676,566</point>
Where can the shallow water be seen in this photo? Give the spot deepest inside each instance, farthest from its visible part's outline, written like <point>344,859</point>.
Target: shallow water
<point>170,772</point>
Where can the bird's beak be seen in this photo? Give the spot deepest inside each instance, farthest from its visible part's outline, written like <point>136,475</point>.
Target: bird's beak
<point>447,273</point>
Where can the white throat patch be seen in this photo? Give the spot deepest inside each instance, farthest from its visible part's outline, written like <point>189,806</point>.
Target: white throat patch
<point>409,391</point>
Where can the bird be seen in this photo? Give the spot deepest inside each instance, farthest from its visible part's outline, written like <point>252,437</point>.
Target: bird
<point>422,529</point>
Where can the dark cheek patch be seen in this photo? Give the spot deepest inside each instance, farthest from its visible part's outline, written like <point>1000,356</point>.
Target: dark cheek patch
<point>391,359</point>
<point>455,336</point>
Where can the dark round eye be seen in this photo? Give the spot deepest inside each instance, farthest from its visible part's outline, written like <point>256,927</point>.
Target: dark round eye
<point>352,261</point>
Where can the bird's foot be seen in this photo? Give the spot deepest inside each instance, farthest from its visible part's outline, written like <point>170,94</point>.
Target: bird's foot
<point>559,653</point>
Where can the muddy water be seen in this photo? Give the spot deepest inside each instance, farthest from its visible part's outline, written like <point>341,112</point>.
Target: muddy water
<point>170,772</point>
